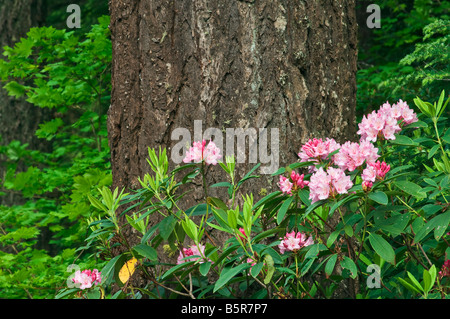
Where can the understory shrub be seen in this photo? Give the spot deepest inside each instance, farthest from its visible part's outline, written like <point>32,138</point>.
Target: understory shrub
<point>373,213</point>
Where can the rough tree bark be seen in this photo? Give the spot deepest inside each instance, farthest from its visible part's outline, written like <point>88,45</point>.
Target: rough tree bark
<point>288,65</point>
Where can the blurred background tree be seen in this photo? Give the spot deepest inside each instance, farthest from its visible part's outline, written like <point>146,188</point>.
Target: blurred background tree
<point>54,151</point>
<point>407,57</point>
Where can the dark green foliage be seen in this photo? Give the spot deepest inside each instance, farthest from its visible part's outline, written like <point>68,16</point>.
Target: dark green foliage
<point>407,57</point>
<point>40,238</point>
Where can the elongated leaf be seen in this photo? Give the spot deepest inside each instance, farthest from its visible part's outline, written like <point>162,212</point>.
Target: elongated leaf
<point>439,223</point>
<point>382,248</point>
<point>403,140</point>
<point>270,268</point>
<point>409,285</point>
<point>227,274</point>
<point>267,198</point>
<point>146,251</point>
<point>410,188</point>
<point>166,226</point>
<point>283,209</point>
<point>349,264</point>
<point>329,267</point>
<point>265,234</point>
<point>332,238</point>
<point>414,281</point>
<point>176,268</point>
<point>108,270</point>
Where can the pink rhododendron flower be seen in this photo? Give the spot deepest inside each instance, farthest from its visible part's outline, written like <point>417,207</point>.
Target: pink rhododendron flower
<point>191,251</point>
<point>285,185</point>
<point>324,184</point>
<point>294,183</point>
<point>367,186</point>
<point>200,151</point>
<point>298,181</point>
<point>87,278</point>
<point>369,174</point>
<point>317,149</point>
<point>386,122</point>
<point>445,270</point>
<point>242,231</point>
<point>381,169</point>
<point>352,155</point>
<point>401,111</point>
<point>294,242</point>
<point>251,261</point>
<point>375,171</point>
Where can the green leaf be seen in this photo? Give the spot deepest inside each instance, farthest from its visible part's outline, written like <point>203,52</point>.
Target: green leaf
<point>410,188</point>
<point>256,269</point>
<point>433,151</point>
<point>349,264</point>
<point>415,282</point>
<point>166,226</point>
<point>176,268</point>
<point>96,203</point>
<point>439,223</point>
<point>283,209</point>
<point>15,89</point>
<point>108,270</point>
<point>146,251</point>
<point>429,278</point>
<point>403,140</point>
<point>382,248</point>
<point>379,197</point>
<point>248,175</point>
<point>348,230</point>
<point>264,234</point>
<point>329,267</point>
<point>204,268</point>
<point>228,273</point>
<point>332,238</point>
<point>408,285</point>
<point>312,251</point>
<point>270,268</point>
<point>217,202</point>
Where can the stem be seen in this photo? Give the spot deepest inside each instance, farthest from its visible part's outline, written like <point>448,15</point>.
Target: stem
<point>205,188</point>
<point>439,139</point>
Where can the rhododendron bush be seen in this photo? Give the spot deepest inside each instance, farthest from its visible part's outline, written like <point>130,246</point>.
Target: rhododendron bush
<point>366,218</point>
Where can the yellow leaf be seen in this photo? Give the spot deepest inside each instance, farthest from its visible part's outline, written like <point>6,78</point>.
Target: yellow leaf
<point>127,270</point>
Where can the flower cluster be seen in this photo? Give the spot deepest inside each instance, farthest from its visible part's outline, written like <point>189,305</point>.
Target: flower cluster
<point>294,241</point>
<point>374,171</point>
<point>386,122</point>
<point>294,183</point>
<point>316,150</point>
<point>328,183</point>
<point>193,250</point>
<point>353,155</point>
<point>200,152</point>
<point>87,278</point>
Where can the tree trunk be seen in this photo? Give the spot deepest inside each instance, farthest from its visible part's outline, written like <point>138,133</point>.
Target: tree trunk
<point>19,118</point>
<point>288,67</point>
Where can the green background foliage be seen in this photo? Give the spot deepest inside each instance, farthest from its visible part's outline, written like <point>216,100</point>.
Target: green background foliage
<point>69,72</point>
<point>58,221</point>
<point>407,57</point>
